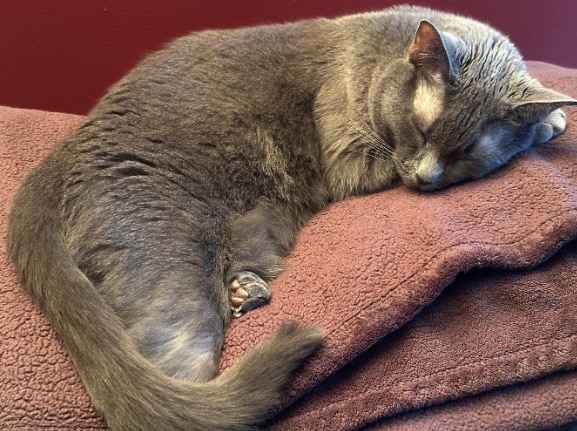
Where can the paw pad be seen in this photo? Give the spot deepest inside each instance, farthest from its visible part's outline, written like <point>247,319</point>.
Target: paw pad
<point>247,292</point>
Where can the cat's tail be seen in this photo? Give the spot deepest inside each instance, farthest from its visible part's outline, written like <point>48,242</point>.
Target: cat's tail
<point>130,392</point>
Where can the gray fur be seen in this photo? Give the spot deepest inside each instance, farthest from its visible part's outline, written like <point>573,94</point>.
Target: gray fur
<point>178,197</point>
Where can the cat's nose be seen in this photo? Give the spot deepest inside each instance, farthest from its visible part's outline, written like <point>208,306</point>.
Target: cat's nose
<point>427,182</point>
<point>429,171</point>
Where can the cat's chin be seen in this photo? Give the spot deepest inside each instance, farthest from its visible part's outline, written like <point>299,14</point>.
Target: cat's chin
<point>425,187</point>
<point>416,185</point>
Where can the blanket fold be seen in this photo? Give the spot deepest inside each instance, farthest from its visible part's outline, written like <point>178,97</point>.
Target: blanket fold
<point>477,336</point>
<point>453,309</point>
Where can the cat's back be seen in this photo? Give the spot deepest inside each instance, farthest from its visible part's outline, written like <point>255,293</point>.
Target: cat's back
<point>203,112</point>
<point>209,83</point>
<point>217,66</point>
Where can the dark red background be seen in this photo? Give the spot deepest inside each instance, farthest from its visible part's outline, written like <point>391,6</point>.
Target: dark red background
<point>61,55</point>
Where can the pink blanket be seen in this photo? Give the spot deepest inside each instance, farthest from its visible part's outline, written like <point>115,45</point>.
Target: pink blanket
<point>412,343</point>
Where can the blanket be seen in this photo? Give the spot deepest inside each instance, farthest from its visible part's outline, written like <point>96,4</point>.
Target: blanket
<point>446,310</point>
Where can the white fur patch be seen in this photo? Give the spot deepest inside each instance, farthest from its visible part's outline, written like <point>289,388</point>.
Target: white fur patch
<point>558,120</point>
<point>429,169</point>
<point>428,103</point>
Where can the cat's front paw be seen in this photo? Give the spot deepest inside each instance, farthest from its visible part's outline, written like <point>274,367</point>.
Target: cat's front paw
<point>247,292</point>
<point>553,125</point>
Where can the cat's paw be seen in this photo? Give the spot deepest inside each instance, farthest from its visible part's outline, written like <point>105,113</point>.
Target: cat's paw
<point>552,126</point>
<point>247,292</point>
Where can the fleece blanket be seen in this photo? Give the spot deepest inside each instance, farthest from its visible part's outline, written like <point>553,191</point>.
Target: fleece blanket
<point>448,310</point>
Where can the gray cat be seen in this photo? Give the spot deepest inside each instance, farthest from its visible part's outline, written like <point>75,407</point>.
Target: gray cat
<point>172,206</point>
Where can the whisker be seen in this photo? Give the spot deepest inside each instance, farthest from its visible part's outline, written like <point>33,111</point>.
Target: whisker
<point>367,136</point>
<point>376,141</point>
<point>370,151</point>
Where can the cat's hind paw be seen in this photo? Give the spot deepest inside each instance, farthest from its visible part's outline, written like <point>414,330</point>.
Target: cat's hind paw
<point>247,292</point>
<point>553,125</point>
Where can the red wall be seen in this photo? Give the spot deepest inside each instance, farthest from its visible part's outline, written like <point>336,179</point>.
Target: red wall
<point>61,55</point>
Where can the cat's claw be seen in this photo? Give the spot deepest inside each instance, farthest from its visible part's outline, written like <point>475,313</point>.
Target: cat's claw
<point>247,292</point>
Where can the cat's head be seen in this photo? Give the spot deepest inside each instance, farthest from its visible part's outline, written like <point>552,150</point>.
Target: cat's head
<point>472,106</point>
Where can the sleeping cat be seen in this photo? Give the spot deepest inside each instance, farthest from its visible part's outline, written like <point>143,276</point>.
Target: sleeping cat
<point>171,208</point>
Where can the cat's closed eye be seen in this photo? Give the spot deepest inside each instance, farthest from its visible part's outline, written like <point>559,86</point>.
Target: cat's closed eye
<point>469,148</point>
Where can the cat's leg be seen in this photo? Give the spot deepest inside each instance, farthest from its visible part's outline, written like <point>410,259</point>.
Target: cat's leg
<point>158,260</point>
<point>178,332</point>
<point>174,309</point>
<point>260,239</point>
<point>553,125</point>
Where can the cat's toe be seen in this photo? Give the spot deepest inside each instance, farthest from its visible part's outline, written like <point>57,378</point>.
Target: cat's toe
<point>247,292</point>
<point>552,126</point>
<point>558,121</point>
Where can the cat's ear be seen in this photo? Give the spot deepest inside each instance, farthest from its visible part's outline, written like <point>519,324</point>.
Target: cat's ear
<point>539,102</point>
<point>429,51</point>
